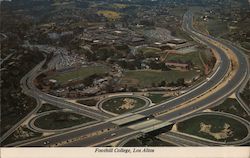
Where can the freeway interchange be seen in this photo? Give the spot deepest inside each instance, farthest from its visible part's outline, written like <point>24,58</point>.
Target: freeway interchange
<point>228,78</point>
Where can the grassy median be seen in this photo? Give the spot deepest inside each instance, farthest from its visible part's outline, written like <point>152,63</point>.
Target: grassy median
<point>214,127</point>
<point>120,105</point>
<point>60,120</point>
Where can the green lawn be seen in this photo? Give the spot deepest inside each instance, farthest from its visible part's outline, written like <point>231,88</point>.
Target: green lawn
<point>47,107</point>
<point>149,51</point>
<point>79,74</point>
<point>233,107</point>
<point>192,126</point>
<point>182,34</point>
<point>114,104</point>
<point>109,14</point>
<point>88,102</point>
<point>157,98</point>
<point>60,120</point>
<point>216,27</point>
<point>193,57</point>
<point>145,78</point>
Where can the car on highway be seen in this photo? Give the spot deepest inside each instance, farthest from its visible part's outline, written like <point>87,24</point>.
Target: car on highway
<point>46,142</point>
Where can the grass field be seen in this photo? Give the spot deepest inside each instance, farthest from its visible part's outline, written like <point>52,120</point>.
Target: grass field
<point>119,6</point>
<point>182,34</point>
<point>193,57</point>
<point>47,107</point>
<point>60,120</point>
<point>216,27</point>
<point>157,98</point>
<point>149,51</point>
<point>111,15</point>
<point>81,73</point>
<point>233,107</point>
<point>145,78</point>
<point>192,126</point>
<point>88,102</point>
<point>114,105</point>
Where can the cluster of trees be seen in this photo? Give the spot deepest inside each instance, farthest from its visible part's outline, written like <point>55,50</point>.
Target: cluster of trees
<point>158,66</point>
<point>246,93</point>
<point>106,52</point>
<point>14,104</point>
<point>88,81</point>
<point>179,82</point>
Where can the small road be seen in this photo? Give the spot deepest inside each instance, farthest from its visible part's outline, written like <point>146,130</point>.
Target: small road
<point>31,90</point>
<point>32,126</point>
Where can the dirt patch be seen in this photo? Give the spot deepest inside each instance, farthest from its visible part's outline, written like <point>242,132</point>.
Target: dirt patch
<point>128,103</point>
<point>223,134</point>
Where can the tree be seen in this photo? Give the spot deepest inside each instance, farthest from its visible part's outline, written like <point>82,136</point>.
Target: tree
<point>180,82</point>
<point>162,84</point>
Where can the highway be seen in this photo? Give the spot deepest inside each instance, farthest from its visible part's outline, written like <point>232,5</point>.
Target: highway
<point>181,140</point>
<point>31,90</point>
<point>186,138</point>
<point>61,102</point>
<point>172,110</point>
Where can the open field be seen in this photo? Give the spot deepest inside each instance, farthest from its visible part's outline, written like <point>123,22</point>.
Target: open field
<point>149,51</point>
<point>157,98</point>
<point>111,15</point>
<point>189,57</point>
<point>145,78</point>
<point>47,107</point>
<point>81,73</point>
<point>123,104</point>
<point>217,27</point>
<point>181,34</point>
<point>88,102</point>
<point>119,5</point>
<point>233,107</point>
<point>60,120</point>
<point>214,127</point>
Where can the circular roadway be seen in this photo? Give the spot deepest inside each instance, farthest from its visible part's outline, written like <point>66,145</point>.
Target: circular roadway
<point>102,102</point>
